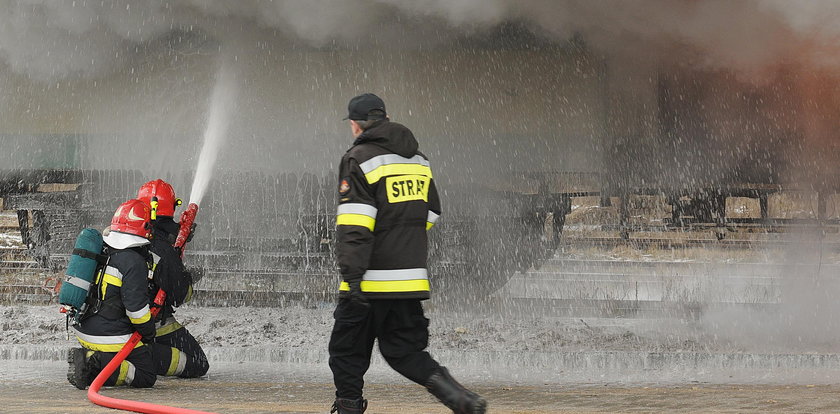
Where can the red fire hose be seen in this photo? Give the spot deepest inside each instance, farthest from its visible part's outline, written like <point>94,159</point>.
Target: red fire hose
<point>128,405</point>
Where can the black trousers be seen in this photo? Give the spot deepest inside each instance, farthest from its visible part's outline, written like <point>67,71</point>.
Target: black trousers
<point>179,354</point>
<point>403,334</point>
<point>137,370</point>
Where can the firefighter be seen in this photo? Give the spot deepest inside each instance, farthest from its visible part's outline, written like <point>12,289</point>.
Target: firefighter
<point>120,306</point>
<point>176,351</point>
<point>387,203</point>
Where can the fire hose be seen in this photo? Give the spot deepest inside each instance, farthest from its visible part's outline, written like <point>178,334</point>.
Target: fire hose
<point>138,406</point>
<point>186,223</point>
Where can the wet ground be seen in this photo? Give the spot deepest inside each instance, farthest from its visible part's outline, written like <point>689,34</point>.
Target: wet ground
<point>524,355</point>
<point>274,360</point>
<point>226,394</point>
<point>272,386</point>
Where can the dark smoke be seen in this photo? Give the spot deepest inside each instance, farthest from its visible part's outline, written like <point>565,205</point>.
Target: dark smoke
<point>90,38</point>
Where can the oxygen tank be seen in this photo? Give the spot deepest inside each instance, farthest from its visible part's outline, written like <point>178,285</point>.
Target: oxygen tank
<point>81,270</point>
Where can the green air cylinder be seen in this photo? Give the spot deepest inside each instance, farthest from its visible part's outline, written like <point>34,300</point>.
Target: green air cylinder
<point>81,270</point>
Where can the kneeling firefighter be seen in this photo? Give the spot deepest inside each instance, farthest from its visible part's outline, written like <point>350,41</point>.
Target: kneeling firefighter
<point>118,305</point>
<point>176,351</point>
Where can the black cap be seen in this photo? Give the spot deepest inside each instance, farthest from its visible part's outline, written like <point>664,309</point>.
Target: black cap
<point>366,106</point>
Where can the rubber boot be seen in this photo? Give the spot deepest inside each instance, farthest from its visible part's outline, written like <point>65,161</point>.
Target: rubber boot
<point>345,406</point>
<point>80,372</point>
<point>453,395</point>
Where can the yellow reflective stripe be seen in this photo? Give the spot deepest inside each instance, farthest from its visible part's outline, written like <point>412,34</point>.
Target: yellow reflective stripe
<point>143,319</point>
<point>104,347</point>
<point>112,280</point>
<point>189,294</point>
<point>173,362</point>
<point>390,285</point>
<point>168,329</point>
<point>397,169</point>
<point>355,220</point>
<point>123,373</point>
<point>109,280</point>
<point>429,225</point>
<point>139,316</point>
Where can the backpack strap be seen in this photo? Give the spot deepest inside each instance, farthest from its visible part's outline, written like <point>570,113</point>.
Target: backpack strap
<point>100,258</point>
<point>95,305</point>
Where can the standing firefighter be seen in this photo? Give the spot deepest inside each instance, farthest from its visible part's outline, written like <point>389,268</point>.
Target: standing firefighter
<point>387,202</point>
<point>119,305</point>
<point>176,351</point>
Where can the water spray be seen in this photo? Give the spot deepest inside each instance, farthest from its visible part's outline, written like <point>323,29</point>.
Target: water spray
<point>224,95</point>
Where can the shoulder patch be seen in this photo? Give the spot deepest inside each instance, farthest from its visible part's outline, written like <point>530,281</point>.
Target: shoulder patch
<point>344,186</point>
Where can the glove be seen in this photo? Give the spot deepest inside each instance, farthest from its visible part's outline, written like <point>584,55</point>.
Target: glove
<point>196,273</point>
<point>357,297</point>
<point>148,340</point>
<point>192,232</point>
<point>147,334</point>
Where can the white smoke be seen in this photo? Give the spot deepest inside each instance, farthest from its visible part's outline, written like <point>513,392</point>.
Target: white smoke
<point>51,39</point>
<point>48,39</point>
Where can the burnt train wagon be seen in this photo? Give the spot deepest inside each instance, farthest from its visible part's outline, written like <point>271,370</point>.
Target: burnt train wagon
<point>516,126</point>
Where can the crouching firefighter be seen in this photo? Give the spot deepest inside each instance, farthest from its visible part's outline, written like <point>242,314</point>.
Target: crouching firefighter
<point>387,201</point>
<point>176,351</point>
<point>118,305</point>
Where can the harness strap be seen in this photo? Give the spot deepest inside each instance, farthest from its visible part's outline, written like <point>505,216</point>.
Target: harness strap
<point>100,258</point>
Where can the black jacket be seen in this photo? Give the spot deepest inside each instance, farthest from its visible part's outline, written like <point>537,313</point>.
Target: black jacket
<point>123,293</point>
<point>169,273</point>
<point>387,202</point>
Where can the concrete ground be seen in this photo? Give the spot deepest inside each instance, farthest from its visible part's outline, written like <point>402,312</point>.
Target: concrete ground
<point>40,387</point>
<point>307,397</point>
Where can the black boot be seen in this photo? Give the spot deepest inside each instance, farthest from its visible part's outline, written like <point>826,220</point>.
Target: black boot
<point>453,395</point>
<point>80,371</point>
<point>345,406</point>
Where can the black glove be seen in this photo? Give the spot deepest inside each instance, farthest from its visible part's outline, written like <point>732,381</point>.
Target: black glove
<point>357,297</point>
<point>148,340</point>
<point>147,334</point>
<point>192,232</point>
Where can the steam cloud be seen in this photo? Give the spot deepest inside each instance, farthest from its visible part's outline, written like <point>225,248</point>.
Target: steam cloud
<point>52,40</point>
<point>49,40</point>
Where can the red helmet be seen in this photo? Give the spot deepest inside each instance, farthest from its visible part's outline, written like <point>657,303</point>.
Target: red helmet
<point>132,217</point>
<point>166,200</point>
